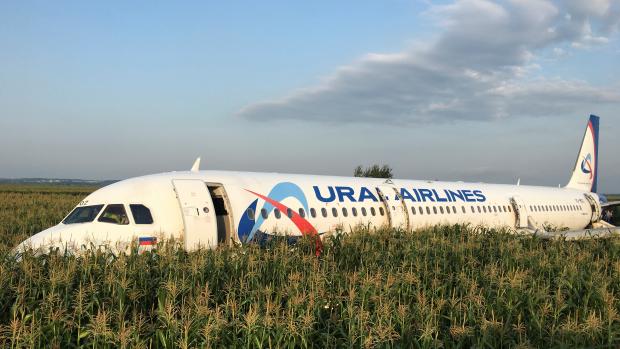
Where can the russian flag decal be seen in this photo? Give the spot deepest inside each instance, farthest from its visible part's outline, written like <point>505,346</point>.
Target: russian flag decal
<point>147,240</point>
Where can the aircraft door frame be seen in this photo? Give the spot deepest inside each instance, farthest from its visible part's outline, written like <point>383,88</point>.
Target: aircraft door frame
<point>398,216</point>
<point>198,212</point>
<point>521,213</point>
<point>594,207</point>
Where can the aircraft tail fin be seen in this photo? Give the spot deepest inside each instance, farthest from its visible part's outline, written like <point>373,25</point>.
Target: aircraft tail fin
<point>585,172</point>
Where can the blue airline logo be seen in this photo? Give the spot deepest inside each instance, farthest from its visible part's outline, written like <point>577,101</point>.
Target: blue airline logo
<point>344,193</point>
<point>586,165</point>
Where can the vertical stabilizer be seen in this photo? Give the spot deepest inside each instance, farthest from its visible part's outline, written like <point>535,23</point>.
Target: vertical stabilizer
<point>585,172</point>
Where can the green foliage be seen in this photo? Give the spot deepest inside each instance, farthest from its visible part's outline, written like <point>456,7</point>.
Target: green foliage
<point>450,286</point>
<point>613,197</point>
<point>374,171</point>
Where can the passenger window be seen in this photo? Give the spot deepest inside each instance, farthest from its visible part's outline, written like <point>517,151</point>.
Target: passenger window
<point>454,209</point>
<point>463,209</point>
<point>276,212</point>
<point>441,209</point>
<point>312,212</point>
<point>413,211</point>
<point>302,213</point>
<point>324,212</point>
<point>344,212</point>
<point>435,209</point>
<point>115,214</point>
<point>364,211</point>
<point>479,209</point>
<point>495,209</point>
<point>289,213</point>
<point>354,212</point>
<point>484,208</point>
<point>428,210</point>
<point>263,212</point>
<point>381,211</point>
<point>250,213</point>
<point>420,210</point>
<point>334,212</point>
<point>473,210</point>
<point>372,211</point>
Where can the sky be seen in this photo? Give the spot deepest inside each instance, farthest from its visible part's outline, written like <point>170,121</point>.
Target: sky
<point>474,90</point>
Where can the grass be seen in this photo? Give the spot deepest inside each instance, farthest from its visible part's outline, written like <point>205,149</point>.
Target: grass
<point>448,286</point>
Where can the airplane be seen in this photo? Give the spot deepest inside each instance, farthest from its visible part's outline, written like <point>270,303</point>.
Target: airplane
<point>206,209</point>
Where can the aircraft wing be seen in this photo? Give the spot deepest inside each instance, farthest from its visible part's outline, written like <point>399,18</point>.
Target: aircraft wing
<point>610,231</point>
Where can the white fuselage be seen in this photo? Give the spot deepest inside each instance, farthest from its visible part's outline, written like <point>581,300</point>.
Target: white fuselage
<point>208,208</point>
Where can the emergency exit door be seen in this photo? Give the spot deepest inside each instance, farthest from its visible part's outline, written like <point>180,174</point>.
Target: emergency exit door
<point>395,206</point>
<point>198,213</point>
<point>521,214</point>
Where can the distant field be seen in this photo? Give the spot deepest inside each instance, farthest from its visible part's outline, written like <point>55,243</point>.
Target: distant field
<point>442,287</point>
<point>613,197</point>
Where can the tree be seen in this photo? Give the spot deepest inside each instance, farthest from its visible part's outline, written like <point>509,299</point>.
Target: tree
<point>374,171</point>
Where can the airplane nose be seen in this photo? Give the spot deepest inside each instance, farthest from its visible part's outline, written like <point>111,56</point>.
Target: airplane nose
<point>42,241</point>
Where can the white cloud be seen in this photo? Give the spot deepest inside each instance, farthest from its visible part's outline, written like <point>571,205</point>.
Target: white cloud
<point>481,67</point>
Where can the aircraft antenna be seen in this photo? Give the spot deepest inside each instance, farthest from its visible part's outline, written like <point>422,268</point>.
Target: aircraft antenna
<point>196,165</point>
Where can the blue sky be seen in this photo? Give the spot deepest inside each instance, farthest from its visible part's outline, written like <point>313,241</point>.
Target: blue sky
<point>472,90</point>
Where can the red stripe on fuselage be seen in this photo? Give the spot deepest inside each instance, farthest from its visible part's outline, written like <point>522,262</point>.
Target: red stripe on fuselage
<point>302,224</point>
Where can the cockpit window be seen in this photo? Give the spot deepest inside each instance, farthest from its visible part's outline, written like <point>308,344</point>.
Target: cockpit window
<point>115,214</point>
<point>83,214</point>
<point>141,214</point>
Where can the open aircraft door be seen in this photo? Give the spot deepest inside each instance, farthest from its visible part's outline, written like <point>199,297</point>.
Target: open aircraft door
<point>521,213</point>
<point>594,207</point>
<point>396,210</point>
<point>198,213</point>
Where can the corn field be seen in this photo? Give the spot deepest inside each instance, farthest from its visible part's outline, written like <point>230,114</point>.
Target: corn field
<point>446,287</point>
